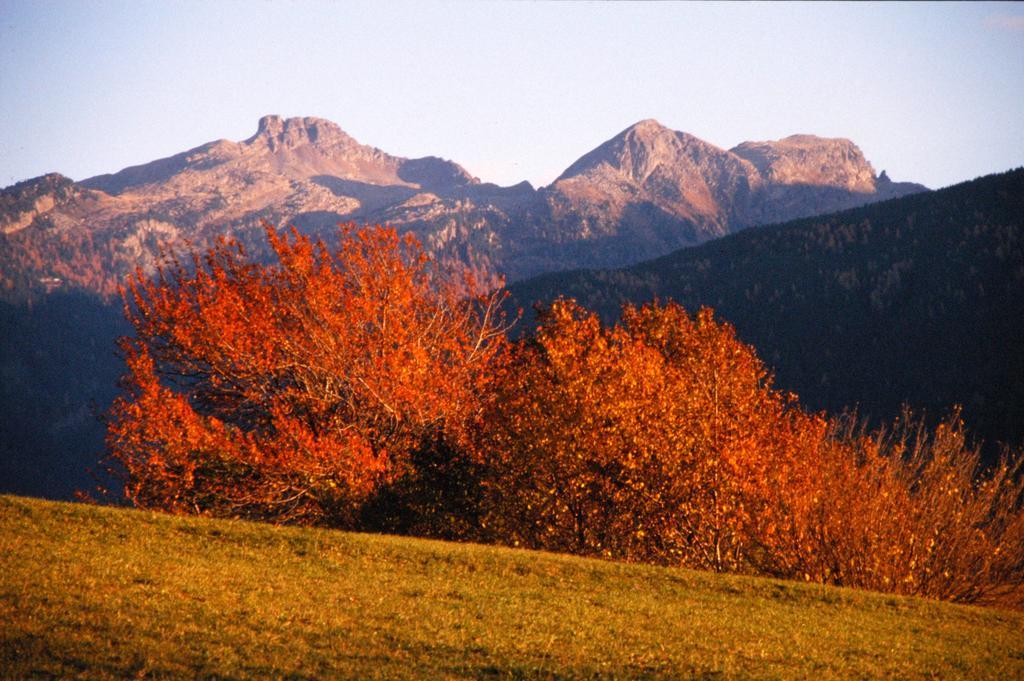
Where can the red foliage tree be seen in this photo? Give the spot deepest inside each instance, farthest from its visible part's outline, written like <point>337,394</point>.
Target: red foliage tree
<point>294,391</point>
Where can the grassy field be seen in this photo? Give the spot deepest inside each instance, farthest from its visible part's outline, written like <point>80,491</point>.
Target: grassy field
<point>107,593</point>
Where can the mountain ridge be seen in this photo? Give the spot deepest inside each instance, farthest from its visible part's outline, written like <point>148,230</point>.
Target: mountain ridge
<point>640,194</point>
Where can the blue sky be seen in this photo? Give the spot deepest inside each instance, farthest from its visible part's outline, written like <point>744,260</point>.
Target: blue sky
<point>931,92</point>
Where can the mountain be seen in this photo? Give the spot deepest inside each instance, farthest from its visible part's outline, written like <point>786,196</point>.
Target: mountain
<point>302,170</point>
<point>641,194</point>
<point>283,155</point>
<point>917,300</point>
<point>677,173</point>
<point>650,190</point>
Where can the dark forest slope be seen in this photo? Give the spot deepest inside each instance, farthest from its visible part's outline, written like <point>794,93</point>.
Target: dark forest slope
<point>917,300</point>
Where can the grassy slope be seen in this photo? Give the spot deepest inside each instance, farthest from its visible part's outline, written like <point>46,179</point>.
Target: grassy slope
<point>109,593</point>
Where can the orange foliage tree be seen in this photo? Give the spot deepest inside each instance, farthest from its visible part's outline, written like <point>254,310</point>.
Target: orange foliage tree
<point>659,439</point>
<point>295,391</point>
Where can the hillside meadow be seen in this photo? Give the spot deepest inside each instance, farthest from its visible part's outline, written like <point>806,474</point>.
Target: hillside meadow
<point>99,592</point>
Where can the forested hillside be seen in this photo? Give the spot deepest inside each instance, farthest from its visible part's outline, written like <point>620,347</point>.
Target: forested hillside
<point>918,300</point>
<point>60,371</point>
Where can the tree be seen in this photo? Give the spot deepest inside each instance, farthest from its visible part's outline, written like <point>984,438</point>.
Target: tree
<point>659,439</point>
<point>295,390</point>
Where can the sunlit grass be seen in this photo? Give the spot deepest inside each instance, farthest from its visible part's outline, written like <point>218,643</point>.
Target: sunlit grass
<point>108,593</point>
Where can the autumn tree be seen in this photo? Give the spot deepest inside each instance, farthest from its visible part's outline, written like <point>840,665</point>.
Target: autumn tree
<point>295,390</point>
<point>659,439</point>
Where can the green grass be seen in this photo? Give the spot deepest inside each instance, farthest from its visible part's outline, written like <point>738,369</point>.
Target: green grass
<point>109,593</point>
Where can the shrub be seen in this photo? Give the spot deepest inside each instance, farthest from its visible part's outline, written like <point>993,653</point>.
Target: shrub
<point>911,510</point>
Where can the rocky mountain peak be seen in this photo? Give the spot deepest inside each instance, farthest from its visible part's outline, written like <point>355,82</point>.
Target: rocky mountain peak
<point>640,149</point>
<point>289,133</point>
<point>810,160</point>
<point>21,203</point>
<point>649,174</point>
<point>648,128</point>
<point>270,124</point>
<point>36,185</point>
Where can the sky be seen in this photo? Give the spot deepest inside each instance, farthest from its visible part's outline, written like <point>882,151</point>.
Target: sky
<point>931,92</point>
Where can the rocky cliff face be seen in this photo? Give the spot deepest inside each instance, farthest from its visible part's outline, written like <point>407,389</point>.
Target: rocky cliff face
<point>805,175</point>
<point>810,160</point>
<point>646,191</point>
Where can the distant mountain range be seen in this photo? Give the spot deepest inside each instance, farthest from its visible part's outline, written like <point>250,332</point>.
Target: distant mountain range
<point>919,300</point>
<point>641,194</point>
